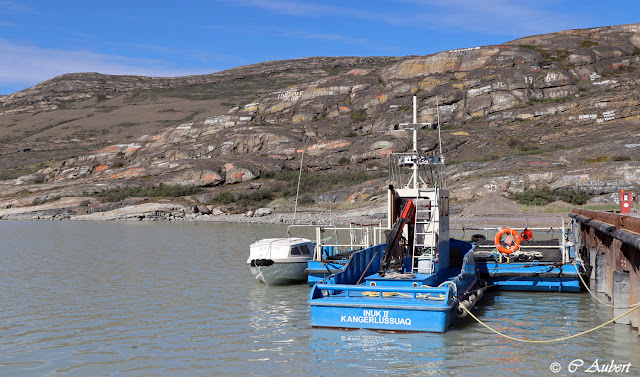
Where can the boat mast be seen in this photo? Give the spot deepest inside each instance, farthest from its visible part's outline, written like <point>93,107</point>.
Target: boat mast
<point>415,143</point>
<point>295,208</point>
<point>444,176</point>
<point>415,157</point>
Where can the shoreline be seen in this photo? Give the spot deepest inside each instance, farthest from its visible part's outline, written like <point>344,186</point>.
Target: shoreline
<point>371,214</point>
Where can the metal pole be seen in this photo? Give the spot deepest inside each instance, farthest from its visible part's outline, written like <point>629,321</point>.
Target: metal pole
<point>439,136</point>
<point>415,142</point>
<point>318,255</point>
<point>295,208</point>
<point>564,246</point>
<point>415,120</point>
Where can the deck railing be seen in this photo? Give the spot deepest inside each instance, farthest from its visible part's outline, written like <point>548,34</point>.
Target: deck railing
<point>413,291</point>
<point>488,229</point>
<point>332,240</point>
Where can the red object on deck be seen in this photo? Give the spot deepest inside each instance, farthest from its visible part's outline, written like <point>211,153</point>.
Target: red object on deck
<point>625,201</point>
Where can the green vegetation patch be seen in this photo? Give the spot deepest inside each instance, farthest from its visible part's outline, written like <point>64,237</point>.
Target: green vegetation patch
<point>253,198</point>
<point>318,182</point>
<point>286,186</point>
<point>358,115</point>
<point>166,191</point>
<point>597,159</point>
<point>44,199</point>
<point>544,196</point>
<point>588,44</point>
<point>13,173</point>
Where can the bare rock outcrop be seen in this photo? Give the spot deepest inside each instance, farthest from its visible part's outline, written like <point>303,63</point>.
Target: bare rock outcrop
<point>555,110</point>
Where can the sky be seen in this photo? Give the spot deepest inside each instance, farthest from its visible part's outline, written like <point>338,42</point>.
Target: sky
<point>43,39</point>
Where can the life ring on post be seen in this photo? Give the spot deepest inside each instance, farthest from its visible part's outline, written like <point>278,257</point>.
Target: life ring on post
<point>508,249</point>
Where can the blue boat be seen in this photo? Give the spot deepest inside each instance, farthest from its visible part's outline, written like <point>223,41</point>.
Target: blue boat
<point>535,259</point>
<point>420,279</point>
<point>418,302</point>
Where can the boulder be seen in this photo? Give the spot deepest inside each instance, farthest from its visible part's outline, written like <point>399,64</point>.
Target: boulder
<point>235,174</point>
<point>216,211</point>
<point>262,212</point>
<point>207,178</point>
<point>202,209</point>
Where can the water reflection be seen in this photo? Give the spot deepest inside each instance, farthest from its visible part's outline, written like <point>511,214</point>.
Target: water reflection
<point>134,299</point>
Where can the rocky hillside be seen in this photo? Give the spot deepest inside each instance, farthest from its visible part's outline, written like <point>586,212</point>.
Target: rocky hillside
<point>554,110</point>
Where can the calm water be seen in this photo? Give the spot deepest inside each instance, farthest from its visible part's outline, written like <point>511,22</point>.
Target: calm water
<point>160,299</point>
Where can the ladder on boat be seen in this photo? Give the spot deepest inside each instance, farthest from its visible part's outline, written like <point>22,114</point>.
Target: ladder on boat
<point>425,233</point>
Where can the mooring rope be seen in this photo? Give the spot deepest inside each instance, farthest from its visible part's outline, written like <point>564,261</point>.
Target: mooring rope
<point>547,269</point>
<point>525,266</point>
<point>440,297</point>
<point>550,340</point>
<point>597,298</point>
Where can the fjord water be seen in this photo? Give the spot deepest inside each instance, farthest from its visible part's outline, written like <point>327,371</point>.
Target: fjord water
<point>176,299</point>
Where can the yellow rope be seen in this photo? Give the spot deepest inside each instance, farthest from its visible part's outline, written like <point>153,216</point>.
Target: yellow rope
<point>441,297</point>
<point>550,340</point>
<point>452,284</point>
<point>596,297</point>
<point>384,294</point>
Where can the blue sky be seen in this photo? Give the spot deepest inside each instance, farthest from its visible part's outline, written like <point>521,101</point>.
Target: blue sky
<point>43,39</point>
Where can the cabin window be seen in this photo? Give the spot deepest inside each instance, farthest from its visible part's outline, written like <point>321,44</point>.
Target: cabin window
<point>295,251</point>
<point>305,250</point>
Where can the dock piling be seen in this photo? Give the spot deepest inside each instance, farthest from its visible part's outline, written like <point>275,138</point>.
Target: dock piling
<point>615,240</point>
<point>621,296</point>
<point>600,273</point>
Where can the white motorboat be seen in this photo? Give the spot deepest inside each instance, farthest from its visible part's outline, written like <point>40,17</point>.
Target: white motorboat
<point>276,261</point>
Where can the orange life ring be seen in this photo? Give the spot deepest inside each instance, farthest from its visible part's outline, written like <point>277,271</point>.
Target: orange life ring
<point>509,249</point>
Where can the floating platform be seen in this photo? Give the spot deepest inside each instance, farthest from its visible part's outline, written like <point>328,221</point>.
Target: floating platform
<point>542,266</point>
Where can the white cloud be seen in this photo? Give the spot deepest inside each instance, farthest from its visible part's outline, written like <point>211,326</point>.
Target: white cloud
<point>293,8</point>
<point>498,17</point>
<point>22,64</point>
<point>9,7</point>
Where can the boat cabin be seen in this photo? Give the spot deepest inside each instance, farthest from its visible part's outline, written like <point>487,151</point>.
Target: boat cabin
<point>281,248</point>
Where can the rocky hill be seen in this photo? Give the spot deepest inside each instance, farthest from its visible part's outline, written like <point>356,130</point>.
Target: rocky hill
<point>555,110</point>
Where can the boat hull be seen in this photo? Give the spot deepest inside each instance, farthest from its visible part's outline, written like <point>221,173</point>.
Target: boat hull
<point>424,302</point>
<point>280,273</point>
<point>536,277</point>
<point>385,318</point>
<point>536,284</point>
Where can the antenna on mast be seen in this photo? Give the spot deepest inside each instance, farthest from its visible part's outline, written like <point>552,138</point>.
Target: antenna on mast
<point>444,177</point>
<point>295,208</point>
<point>414,160</point>
<point>439,136</point>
